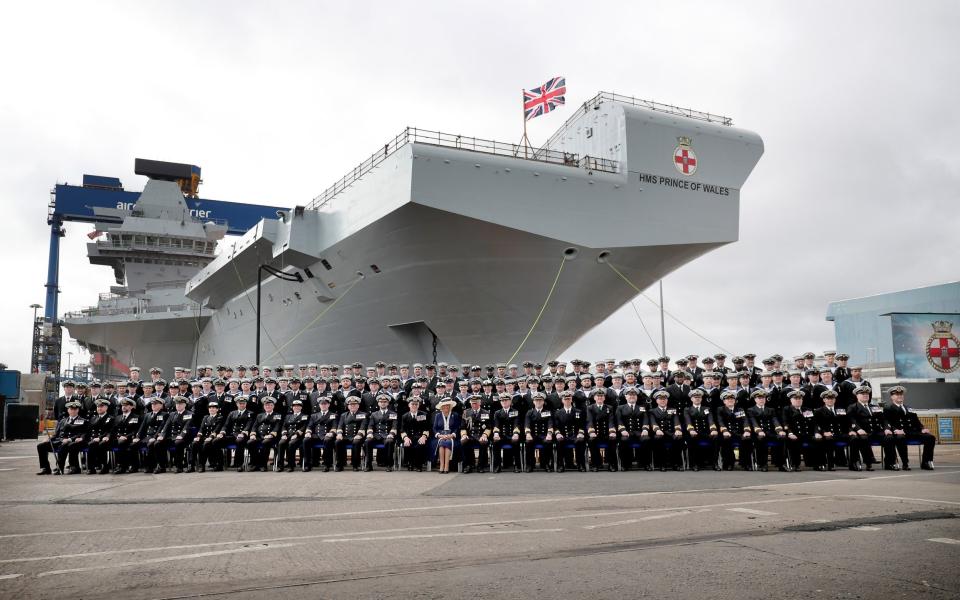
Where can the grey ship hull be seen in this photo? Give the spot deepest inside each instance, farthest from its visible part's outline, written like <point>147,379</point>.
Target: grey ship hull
<point>467,244</point>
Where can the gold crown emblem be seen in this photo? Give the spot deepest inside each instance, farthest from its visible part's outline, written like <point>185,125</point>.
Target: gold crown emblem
<point>684,140</point>
<point>942,326</point>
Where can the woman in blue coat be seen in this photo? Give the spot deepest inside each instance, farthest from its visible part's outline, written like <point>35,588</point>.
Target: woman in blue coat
<point>446,433</point>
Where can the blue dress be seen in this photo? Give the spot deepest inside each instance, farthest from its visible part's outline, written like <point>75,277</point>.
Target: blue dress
<point>453,426</point>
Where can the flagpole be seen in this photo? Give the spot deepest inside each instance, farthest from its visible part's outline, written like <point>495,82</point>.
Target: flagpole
<point>524,141</point>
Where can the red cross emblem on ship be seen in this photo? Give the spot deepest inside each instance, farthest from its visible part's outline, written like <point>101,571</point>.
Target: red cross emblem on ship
<point>684,158</point>
<point>943,348</point>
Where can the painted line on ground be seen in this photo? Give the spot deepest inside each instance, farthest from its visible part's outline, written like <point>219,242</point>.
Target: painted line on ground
<point>630,521</point>
<point>417,536</point>
<point>700,508</point>
<point>164,559</point>
<point>13,457</point>
<point>12,576</point>
<point>753,511</point>
<point>944,540</point>
<point>877,497</point>
<point>865,528</point>
<point>327,516</point>
<point>9,469</point>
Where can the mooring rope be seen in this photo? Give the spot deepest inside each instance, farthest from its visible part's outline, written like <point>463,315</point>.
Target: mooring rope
<point>540,314</point>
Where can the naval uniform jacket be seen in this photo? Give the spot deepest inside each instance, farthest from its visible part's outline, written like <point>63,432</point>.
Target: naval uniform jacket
<point>153,424</point>
<point>507,423</point>
<point>538,423</point>
<point>665,419</point>
<point>352,425</point>
<point>210,426</point>
<point>382,423</point>
<point>178,424</point>
<point>679,396</point>
<point>237,422</point>
<point>601,420</point>
<point>867,417</point>
<point>414,425</point>
<point>267,424</point>
<point>764,419</point>
<point>733,420</point>
<point>835,421</point>
<point>102,426</point>
<point>801,422</point>
<point>569,424</point>
<point>902,417</point>
<point>631,419</point>
<point>295,424</point>
<point>69,428</point>
<point>321,423</point>
<point>699,419</point>
<point>476,423</point>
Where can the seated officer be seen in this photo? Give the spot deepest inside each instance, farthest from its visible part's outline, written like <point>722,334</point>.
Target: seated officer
<point>291,436</point>
<point>734,430</point>
<point>835,428</point>
<point>179,431</point>
<point>67,440</point>
<point>701,431</point>
<point>506,432</point>
<point>476,426</point>
<point>350,432</point>
<point>101,437</point>
<point>236,430</point>
<point>263,435</point>
<point>667,434</point>
<point>538,427</point>
<point>601,429</point>
<point>320,434</point>
<point>868,425</point>
<point>906,426</point>
<point>766,428</point>
<point>570,424</point>
<point>151,436</point>
<point>381,429</point>
<point>126,429</point>
<point>801,427</point>
<point>633,428</point>
<point>415,434</point>
<point>204,443</point>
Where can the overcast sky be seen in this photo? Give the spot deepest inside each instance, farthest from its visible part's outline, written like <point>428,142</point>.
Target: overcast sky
<point>858,104</point>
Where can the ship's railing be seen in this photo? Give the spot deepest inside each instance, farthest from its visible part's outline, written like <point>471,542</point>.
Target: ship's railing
<point>184,248</point>
<point>649,104</point>
<point>461,142</point>
<point>131,310</point>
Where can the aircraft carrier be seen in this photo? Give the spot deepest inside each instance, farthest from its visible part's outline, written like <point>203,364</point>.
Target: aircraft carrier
<point>442,247</point>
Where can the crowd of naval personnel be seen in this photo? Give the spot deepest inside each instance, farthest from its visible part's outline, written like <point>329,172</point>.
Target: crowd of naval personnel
<point>702,414</point>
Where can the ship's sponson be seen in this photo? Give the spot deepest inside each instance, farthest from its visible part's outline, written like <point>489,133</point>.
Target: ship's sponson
<point>464,244</point>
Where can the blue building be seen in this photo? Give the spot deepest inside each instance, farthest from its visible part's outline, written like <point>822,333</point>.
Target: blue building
<point>862,325</point>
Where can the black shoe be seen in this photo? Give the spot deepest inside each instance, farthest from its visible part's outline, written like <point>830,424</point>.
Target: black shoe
<point>831,468</point>
<point>338,469</point>
<point>389,469</point>
<point>716,468</point>
<point>869,468</point>
<point>677,469</point>
<point>905,467</point>
<point>159,471</point>
<point>891,467</point>
<point>356,469</point>
<point>366,469</point>
<point>419,469</point>
<point>582,469</point>
<point>764,469</point>
<point>593,469</point>
<point>120,471</point>
<point>927,466</point>
<point>648,468</point>
<point>482,470</point>
<point>104,470</point>
<point>498,469</point>
<point>697,467</point>
<point>74,471</point>
<point>559,469</point>
<point>468,470</point>
<point>45,471</point>
<point>797,469</point>
<point>91,471</point>
<point>190,469</point>
<point>325,469</point>
<point>663,469</point>
<point>203,469</point>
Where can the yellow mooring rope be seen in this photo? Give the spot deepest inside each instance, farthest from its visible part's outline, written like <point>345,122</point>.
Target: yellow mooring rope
<point>540,314</point>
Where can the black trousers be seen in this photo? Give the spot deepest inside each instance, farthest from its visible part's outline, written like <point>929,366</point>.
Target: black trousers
<point>506,456</point>
<point>97,454</point>
<point>702,449</point>
<point>415,455</point>
<point>570,451</point>
<point>354,452</point>
<point>764,449</point>
<point>608,455</point>
<point>812,454</point>
<point>863,444</point>
<point>546,452</point>
<point>287,448</point>
<point>179,451</point>
<point>385,458</point>
<point>833,454</point>
<point>260,451</point>
<point>156,453</point>
<point>629,454</point>
<point>727,445</point>
<point>926,439</point>
<point>62,449</point>
<point>469,459</point>
<point>227,440</point>
<point>667,451</point>
<point>128,455</point>
<point>322,445</point>
<point>206,449</point>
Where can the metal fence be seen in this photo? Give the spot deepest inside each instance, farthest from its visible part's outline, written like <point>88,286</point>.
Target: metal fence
<point>462,142</point>
<point>130,310</point>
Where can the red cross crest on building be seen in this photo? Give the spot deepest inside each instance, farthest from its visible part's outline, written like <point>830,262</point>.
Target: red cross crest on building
<point>684,158</point>
<point>943,348</point>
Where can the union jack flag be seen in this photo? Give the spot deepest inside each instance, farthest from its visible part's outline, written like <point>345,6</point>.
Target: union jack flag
<point>541,100</point>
